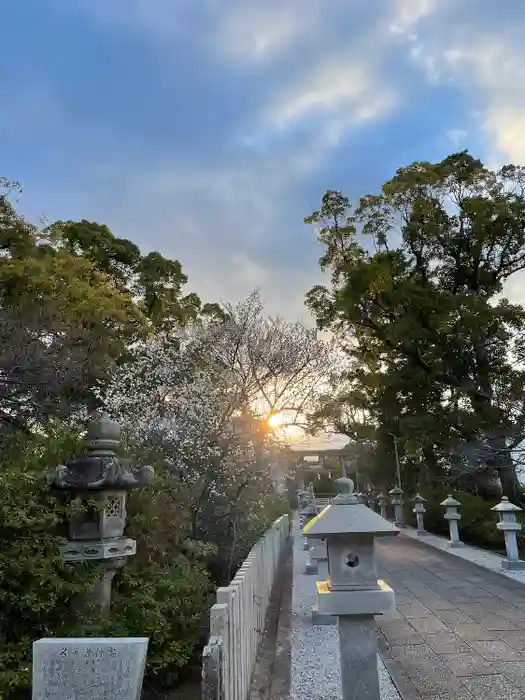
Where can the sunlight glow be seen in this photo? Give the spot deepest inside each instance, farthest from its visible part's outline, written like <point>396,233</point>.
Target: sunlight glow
<point>283,428</point>
<point>276,420</point>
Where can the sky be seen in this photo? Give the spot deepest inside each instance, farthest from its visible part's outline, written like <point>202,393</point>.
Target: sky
<point>208,129</point>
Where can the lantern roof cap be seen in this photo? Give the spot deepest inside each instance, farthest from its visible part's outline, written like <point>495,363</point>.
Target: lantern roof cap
<point>450,502</point>
<point>505,506</point>
<point>349,519</point>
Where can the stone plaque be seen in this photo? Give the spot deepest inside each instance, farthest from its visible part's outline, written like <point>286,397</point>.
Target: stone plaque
<point>89,668</point>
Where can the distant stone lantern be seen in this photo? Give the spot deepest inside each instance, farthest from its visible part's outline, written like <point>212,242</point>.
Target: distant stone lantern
<point>451,514</point>
<point>396,494</point>
<point>383,502</point>
<point>420,510</point>
<point>98,483</point>
<point>510,527</point>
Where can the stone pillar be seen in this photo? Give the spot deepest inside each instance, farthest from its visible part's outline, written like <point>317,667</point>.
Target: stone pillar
<point>353,594</point>
<point>397,501</point>
<point>451,514</point>
<point>419,510</point>
<point>382,500</point>
<point>510,527</point>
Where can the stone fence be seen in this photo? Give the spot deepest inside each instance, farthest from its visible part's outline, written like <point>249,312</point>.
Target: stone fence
<point>323,501</point>
<point>238,617</point>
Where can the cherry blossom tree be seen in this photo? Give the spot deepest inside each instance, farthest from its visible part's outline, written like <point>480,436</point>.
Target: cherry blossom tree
<point>276,365</point>
<point>200,396</point>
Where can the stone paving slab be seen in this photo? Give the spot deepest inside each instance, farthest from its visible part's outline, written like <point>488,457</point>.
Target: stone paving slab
<point>315,664</point>
<point>461,633</point>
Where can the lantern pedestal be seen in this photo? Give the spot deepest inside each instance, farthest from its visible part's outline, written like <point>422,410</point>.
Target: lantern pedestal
<point>358,645</point>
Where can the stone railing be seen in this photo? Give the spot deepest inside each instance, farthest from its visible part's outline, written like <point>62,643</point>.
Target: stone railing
<point>323,501</point>
<point>237,619</point>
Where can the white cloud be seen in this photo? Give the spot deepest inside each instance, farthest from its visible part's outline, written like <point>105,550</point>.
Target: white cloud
<point>496,69</point>
<point>336,85</point>
<point>409,13</point>
<point>487,62</point>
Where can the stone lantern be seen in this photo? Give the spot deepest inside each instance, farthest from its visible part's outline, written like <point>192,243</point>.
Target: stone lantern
<point>383,502</point>
<point>307,508</point>
<point>451,514</point>
<point>419,510</point>
<point>98,483</point>
<point>510,528</point>
<point>362,498</point>
<point>353,592</point>
<point>396,494</point>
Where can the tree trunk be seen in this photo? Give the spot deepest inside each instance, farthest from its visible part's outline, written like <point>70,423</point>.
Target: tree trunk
<point>510,484</point>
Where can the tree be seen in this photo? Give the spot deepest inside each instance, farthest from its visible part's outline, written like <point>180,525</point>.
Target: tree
<point>155,282</point>
<point>417,275</point>
<point>72,298</point>
<point>62,323</point>
<point>276,366</point>
<point>190,418</point>
<point>205,392</point>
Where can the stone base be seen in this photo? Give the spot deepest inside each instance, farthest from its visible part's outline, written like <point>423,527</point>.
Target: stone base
<point>514,565</point>
<point>421,533</point>
<point>320,619</point>
<point>352,603</point>
<point>311,567</point>
<point>455,545</point>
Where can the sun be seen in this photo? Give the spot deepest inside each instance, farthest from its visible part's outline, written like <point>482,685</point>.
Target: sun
<point>276,420</point>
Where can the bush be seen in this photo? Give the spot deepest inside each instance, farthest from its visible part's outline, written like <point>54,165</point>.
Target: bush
<point>160,593</point>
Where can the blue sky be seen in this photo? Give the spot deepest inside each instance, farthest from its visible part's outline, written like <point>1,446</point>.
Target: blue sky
<point>207,129</point>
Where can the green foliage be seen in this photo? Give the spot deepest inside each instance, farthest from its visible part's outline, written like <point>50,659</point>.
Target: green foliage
<point>72,298</point>
<point>434,353</point>
<point>161,593</point>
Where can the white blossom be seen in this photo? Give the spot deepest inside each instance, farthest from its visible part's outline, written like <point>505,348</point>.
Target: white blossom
<point>194,394</point>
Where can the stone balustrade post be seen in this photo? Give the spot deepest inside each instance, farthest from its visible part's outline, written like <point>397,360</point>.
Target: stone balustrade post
<point>352,593</point>
<point>451,514</point>
<point>382,500</point>
<point>419,509</point>
<point>396,494</point>
<point>510,528</point>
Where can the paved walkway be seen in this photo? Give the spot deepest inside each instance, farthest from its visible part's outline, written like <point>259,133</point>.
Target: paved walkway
<point>459,630</point>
